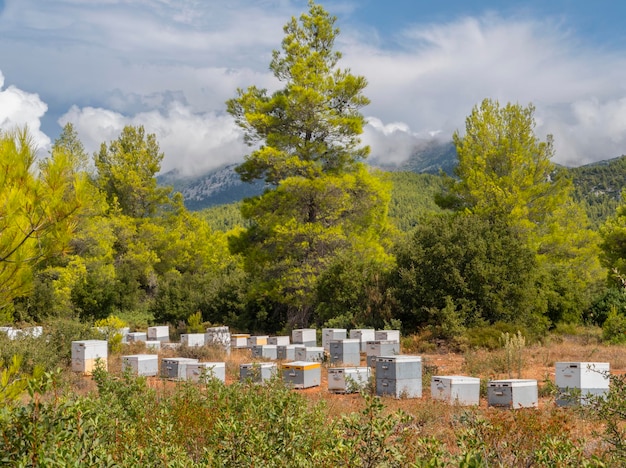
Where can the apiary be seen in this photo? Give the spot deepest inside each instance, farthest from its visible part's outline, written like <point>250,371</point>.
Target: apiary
<point>380,348</point>
<point>286,352</point>
<point>302,374</point>
<point>279,340</point>
<point>257,371</point>
<point>347,379</point>
<point>309,353</point>
<point>304,336</point>
<point>85,353</point>
<point>203,371</point>
<point>455,389</point>
<point>576,381</point>
<point>218,336</point>
<point>513,393</point>
<point>363,335</point>
<point>141,364</point>
<point>265,351</point>
<point>176,367</point>
<point>239,340</point>
<point>399,376</point>
<point>329,334</point>
<point>159,333</point>
<point>192,340</point>
<point>347,352</point>
<point>136,337</point>
<point>387,335</point>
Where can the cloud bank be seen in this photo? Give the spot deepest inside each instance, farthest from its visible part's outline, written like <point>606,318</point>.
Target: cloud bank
<point>172,66</point>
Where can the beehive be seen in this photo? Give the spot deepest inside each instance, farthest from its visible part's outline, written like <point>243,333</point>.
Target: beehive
<point>363,335</point>
<point>330,334</point>
<point>302,374</point>
<point>176,367</point>
<point>141,364</point>
<point>86,353</point>
<point>347,379</point>
<point>577,381</point>
<point>455,389</point>
<point>380,348</point>
<point>203,371</point>
<point>309,353</point>
<point>159,333</point>
<point>257,371</point>
<point>513,393</point>
<point>346,352</point>
<point>304,336</point>
<point>399,376</point>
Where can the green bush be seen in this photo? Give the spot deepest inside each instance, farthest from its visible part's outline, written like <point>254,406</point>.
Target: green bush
<point>614,327</point>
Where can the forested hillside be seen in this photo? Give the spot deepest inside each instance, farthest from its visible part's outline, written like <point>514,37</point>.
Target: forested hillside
<point>331,241</point>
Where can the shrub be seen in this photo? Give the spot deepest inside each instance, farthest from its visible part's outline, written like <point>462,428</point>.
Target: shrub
<point>614,327</point>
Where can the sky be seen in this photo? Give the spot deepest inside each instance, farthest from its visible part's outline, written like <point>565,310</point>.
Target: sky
<point>170,65</point>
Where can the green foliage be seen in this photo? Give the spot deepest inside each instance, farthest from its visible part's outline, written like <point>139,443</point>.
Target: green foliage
<point>37,214</point>
<point>371,439</point>
<point>194,323</point>
<point>612,298</point>
<point>413,198</point>
<point>614,327</point>
<point>513,352</point>
<point>111,330</point>
<point>322,200</point>
<point>481,269</point>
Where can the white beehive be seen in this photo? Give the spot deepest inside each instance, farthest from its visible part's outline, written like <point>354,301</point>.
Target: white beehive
<point>34,332</point>
<point>286,352</point>
<point>176,367</point>
<point>387,335</point>
<point>12,333</point>
<point>159,333</point>
<point>399,376</point>
<point>86,353</point>
<point>329,334</point>
<point>239,340</point>
<point>218,336</point>
<point>347,352</point>
<point>309,353</point>
<point>304,336</point>
<point>363,335</point>
<point>302,374</point>
<point>203,371</point>
<point>513,393</point>
<point>192,340</point>
<point>153,345</point>
<point>257,340</point>
<point>577,381</point>
<point>279,340</point>
<point>265,351</point>
<point>257,371</point>
<point>380,348</point>
<point>347,379</point>
<point>136,337</point>
<point>455,389</point>
<point>141,364</point>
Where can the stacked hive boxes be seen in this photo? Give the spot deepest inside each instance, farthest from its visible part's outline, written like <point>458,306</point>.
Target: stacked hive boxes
<point>346,352</point>
<point>400,376</point>
<point>363,335</point>
<point>86,353</point>
<point>330,334</point>
<point>304,336</point>
<point>159,333</point>
<point>577,381</point>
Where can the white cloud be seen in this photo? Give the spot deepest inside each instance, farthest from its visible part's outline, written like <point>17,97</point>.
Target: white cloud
<point>176,62</point>
<point>18,109</point>
<point>192,142</point>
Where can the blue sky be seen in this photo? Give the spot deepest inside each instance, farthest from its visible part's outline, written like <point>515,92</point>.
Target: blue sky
<point>171,64</point>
